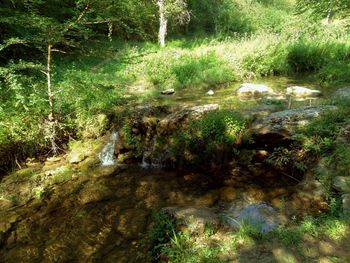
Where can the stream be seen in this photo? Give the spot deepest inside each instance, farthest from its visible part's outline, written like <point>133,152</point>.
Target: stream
<point>102,212</point>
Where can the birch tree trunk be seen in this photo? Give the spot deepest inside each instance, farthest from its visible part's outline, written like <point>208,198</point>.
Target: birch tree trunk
<point>163,22</point>
<point>52,120</point>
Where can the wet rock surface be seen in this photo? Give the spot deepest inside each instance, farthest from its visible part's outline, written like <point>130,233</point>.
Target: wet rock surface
<point>262,216</point>
<point>284,123</point>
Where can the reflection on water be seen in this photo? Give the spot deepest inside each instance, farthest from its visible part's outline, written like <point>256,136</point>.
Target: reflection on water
<point>225,95</point>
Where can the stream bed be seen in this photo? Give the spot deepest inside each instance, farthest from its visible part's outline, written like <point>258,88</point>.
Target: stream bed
<point>94,213</point>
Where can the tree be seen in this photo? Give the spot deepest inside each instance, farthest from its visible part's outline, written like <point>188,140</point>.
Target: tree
<point>46,27</point>
<point>171,9</point>
<point>324,8</point>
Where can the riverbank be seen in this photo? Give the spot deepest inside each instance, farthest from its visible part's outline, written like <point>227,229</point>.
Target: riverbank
<point>132,212</point>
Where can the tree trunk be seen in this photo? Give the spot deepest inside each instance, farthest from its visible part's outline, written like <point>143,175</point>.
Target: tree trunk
<point>52,120</point>
<point>163,22</point>
<point>110,30</point>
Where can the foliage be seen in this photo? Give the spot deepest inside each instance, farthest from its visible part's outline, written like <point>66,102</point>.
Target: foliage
<point>217,131</point>
<point>287,159</point>
<point>163,229</point>
<point>324,8</point>
<point>95,75</point>
<point>308,56</point>
<point>323,139</point>
<point>205,70</point>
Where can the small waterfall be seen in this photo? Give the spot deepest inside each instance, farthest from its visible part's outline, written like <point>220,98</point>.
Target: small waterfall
<point>151,162</point>
<point>107,154</point>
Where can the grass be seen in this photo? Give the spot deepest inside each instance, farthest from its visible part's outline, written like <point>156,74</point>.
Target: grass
<point>293,240</point>
<point>89,85</point>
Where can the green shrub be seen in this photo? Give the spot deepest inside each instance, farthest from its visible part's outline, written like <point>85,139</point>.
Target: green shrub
<point>160,234</point>
<point>270,61</point>
<point>218,129</point>
<point>335,73</point>
<point>205,70</point>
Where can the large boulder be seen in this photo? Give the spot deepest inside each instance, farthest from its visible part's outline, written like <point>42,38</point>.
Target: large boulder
<point>249,90</point>
<point>179,118</point>
<point>284,123</point>
<point>302,92</point>
<point>94,192</point>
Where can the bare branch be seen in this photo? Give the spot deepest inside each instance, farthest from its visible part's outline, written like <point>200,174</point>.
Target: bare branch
<point>59,51</point>
<point>78,18</point>
<point>44,72</point>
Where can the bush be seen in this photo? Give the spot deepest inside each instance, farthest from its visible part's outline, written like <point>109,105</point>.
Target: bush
<point>205,70</point>
<point>218,131</point>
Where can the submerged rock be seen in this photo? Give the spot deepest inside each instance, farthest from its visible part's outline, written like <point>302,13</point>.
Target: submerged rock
<point>262,216</point>
<point>248,90</point>
<point>94,192</point>
<point>284,123</point>
<point>298,91</point>
<point>309,197</point>
<point>168,92</point>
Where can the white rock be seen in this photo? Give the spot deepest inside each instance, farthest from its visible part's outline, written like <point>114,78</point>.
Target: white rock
<point>248,90</point>
<point>168,92</point>
<point>210,92</point>
<point>298,91</point>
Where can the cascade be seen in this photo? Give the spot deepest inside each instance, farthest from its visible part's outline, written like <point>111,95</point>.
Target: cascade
<point>107,154</point>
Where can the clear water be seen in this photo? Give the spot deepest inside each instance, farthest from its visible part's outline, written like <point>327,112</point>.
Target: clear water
<point>225,95</point>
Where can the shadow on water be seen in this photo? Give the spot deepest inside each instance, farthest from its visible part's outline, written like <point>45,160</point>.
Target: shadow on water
<point>106,219</point>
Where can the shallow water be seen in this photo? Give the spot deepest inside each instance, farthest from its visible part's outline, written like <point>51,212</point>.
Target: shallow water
<point>105,218</point>
<point>225,94</point>
<point>105,215</point>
